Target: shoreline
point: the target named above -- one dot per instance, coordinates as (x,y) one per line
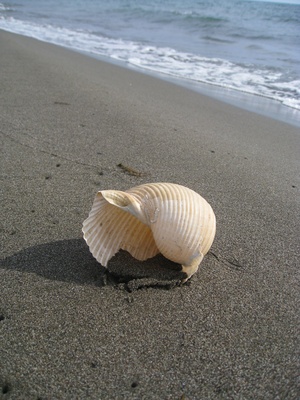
(246,101)
(71,329)
(250,102)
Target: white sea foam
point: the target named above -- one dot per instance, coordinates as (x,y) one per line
(164,60)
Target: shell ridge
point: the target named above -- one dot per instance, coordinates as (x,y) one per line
(110,240)
(132,234)
(105,245)
(141,244)
(189,238)
(211,223)
(171,246)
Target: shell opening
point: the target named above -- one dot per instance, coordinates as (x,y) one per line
(116,198)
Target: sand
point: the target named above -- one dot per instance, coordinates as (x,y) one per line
(68,329)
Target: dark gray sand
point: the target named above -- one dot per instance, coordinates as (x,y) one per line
(68,329)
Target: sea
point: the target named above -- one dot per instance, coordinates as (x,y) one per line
(242,51)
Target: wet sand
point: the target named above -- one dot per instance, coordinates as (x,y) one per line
(68,329)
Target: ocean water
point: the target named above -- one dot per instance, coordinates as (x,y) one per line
(244,46)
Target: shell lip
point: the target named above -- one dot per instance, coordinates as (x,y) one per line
(116,198)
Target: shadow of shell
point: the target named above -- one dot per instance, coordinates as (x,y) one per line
(123,265)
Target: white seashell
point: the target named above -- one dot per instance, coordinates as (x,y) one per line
(149,219)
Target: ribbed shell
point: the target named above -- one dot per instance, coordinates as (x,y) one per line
(168,219)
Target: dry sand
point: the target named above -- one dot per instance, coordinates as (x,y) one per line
(70,331)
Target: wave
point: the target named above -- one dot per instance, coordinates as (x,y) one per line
(4,7)
(217,40)
(169,15)
(203,18)
(268,82)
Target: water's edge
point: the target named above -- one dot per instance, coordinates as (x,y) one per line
(250,102)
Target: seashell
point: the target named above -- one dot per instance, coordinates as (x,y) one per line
(149,219)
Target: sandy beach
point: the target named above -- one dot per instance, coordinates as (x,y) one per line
(70,330)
